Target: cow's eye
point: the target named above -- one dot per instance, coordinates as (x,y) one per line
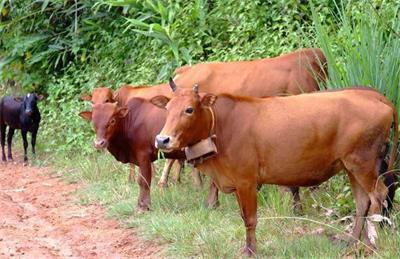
(189,110)
(112,122)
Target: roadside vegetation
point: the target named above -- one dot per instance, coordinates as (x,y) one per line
(64,48)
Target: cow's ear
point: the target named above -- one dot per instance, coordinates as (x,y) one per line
(40,97)
(160,101)
(87,115)
(208,100)
(122,112)
(85,97)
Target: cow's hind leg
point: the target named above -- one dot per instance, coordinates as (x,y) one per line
(9,142)
(3,140)
(212,198)
(297,207)
(362,205)
(178,169)
(365,174)
(24,139)
(163,182)
(131,177)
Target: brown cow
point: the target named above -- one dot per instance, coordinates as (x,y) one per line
(105,95)
(299,140)
(128,134)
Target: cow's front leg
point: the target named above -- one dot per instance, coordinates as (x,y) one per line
(247,198)
(33,142)
(3,140)
(24,139)
(9,142)
(144,181)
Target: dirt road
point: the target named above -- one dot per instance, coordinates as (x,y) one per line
(40,218)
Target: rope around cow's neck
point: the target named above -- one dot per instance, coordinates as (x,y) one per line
(213,121)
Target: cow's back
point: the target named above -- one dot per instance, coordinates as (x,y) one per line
(124,94)
(312,132)
(286,74)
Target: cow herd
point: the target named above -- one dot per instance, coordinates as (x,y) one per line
(244,124)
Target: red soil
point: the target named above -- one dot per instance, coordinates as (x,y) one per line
(40,218)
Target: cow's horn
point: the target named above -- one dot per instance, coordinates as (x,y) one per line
(196,88)
(172,84)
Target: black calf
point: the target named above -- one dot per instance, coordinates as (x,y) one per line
(17,113)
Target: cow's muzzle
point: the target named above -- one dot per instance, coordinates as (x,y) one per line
(28,112)
(162,142)
(100,143)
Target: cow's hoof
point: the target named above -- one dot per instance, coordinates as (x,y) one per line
(212,205)
(248,252)
(142,209)
(298,210)
(344,239)
(162,185)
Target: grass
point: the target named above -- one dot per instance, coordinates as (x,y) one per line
(180,221)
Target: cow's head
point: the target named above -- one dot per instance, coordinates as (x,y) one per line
(99,95)
(105,118)
(29,103)
(189,118)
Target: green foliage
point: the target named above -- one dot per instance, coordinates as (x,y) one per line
(64,48)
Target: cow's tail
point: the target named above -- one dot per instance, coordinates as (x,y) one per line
(386,168)
(393,152)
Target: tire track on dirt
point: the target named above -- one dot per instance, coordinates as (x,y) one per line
(40,218)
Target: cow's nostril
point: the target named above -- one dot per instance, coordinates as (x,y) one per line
(100,143)
(166,140)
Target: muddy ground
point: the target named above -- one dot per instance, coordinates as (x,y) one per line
(40,217)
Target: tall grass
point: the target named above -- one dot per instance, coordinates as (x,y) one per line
(365,49)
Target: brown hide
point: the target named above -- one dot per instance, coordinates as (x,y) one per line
(99,95)
(299,140)
(293,73)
